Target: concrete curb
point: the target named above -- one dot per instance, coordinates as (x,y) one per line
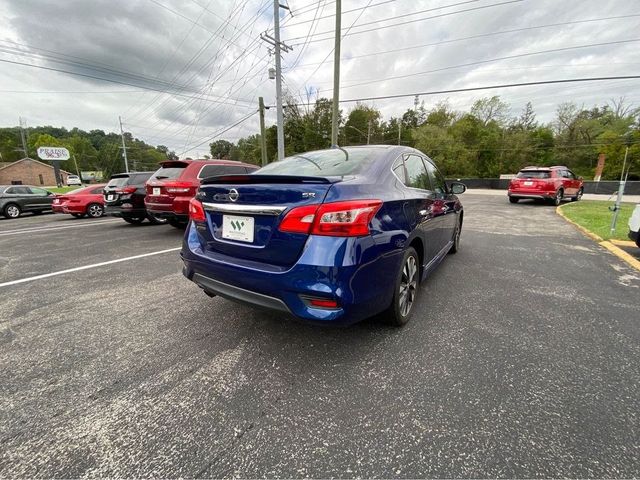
(586,232)
(618,252)
(624,243)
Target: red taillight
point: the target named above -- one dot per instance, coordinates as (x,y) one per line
(196,211)
(126,190)
(323,303)
(340,219)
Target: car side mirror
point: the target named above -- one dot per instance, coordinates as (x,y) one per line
(458,188)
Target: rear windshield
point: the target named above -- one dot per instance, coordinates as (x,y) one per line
(534,174)
(322,163)
(118,182)
(77,190)
(213,170)
(170,173)
(139,178)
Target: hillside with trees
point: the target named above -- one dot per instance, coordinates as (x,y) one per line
(485,141)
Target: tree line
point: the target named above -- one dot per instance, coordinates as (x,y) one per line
(92,151)
(485,141)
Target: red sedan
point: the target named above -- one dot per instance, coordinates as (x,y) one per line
(83,201)
(552,184)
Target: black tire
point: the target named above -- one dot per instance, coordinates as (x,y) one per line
(638,241)
(134,220)
(456,237)
(406,282)
(77,215)
(156,220)
(557,199)
(513,199)
(95,210)
(11,210)
(578,195)
(179,224)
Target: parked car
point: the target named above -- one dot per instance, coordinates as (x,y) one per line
(73,180)
(330,236)
(634,225)
(171,188)
(552,184)
(16,199)
(83,201)
(124,198)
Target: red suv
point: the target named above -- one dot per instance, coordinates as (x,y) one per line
(552,184)
(171,188)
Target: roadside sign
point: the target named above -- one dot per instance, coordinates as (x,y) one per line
(53,153)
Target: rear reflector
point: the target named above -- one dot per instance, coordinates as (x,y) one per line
(319,302)
(339,219)
(196,211)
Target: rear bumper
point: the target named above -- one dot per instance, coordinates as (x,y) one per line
(124,211)
(57,208)
(538,194)
(73,209)
(352,274)
(177,207)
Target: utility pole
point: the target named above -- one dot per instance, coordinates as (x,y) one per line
(124,147)
(77,169)
(263,140)
(368,131)
(336,77)
(278,46)
(399,129)
(623,180)
(24,141)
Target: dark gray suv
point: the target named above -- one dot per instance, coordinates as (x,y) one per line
(15,199)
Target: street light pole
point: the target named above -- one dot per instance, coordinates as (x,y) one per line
(336,76)
(124,147)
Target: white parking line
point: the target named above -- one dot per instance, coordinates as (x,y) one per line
(48,229)
(86,267)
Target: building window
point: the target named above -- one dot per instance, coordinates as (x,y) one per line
(41,179)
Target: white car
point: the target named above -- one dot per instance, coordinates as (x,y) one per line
(73,180)
(634,225)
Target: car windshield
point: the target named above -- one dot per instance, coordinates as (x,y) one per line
(534,174)
(334,162)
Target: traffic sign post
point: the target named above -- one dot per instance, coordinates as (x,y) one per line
(55,155)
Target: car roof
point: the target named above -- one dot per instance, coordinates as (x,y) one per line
(545,169)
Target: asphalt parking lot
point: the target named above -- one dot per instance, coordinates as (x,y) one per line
(523,360)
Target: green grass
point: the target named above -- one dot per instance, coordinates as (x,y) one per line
(62,189)
(596,217)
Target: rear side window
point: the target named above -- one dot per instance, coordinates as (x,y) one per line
(398,169)
(169,173)
(534,174)
(335,162)
(416,172)
(214,170)
(19,190)
(39,191)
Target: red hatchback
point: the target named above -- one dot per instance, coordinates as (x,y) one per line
(80,202)
(171,188)
(552,184)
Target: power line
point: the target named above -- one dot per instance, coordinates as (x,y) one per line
(466,10)
(508,57)
(343,13)
(244,119)
(482,35)
(487,87)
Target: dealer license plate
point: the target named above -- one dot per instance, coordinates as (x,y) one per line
(237,228)
(528,184)
(156,190)
(110,197)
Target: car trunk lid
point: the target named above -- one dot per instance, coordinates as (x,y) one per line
(244,212)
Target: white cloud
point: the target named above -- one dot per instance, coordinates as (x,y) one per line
(141,43)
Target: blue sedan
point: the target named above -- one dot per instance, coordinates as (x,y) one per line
(331,236)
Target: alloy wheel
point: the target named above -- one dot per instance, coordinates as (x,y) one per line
(408,285)
(13,211)
(95,211)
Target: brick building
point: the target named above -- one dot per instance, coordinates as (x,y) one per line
(29,172)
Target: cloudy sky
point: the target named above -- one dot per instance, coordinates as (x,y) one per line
(181,71)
